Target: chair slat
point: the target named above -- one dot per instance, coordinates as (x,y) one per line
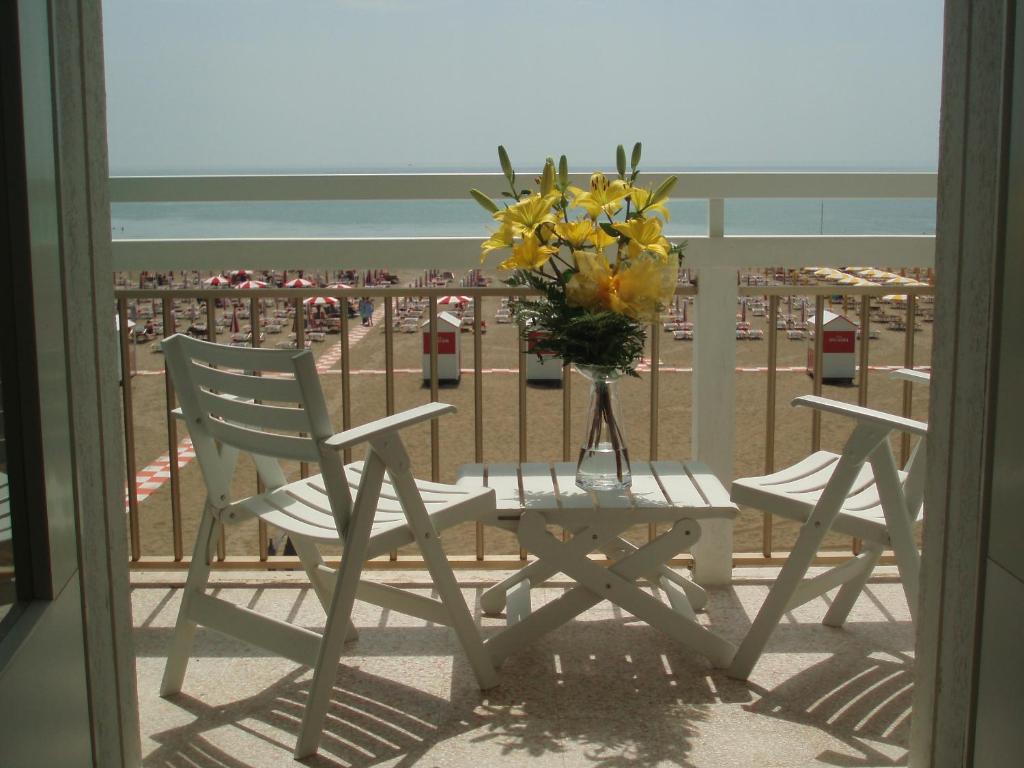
(242,358)
(255,414)
(251,387)
(264,443)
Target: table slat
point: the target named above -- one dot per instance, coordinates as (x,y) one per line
(538,487)
(569,495)
(710,487)
(646,491)
(504,479)
(678,485)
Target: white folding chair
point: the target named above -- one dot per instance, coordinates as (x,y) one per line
(859,493)
(371,507)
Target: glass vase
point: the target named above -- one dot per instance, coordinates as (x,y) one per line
(604,458)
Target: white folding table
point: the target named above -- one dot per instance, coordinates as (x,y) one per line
(531,497)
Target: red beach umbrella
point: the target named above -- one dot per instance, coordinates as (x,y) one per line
(298,282)
(246,285)
(321,301)
(454,300)
(216,281)
(340,286)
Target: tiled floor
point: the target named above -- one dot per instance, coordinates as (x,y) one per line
(605,690)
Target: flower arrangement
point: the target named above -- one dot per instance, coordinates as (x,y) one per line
(596,300)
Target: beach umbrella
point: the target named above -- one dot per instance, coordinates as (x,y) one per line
(248,284)
(893,298)
(216,281)
(340,286)
(298,282)
(321,301)
(454,300)
(240,272)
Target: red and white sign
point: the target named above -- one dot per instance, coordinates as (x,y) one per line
(838,346)
(445,343)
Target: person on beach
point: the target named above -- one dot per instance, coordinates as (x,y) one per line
(365,310)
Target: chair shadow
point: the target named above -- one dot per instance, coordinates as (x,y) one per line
(569,691)
(858,700)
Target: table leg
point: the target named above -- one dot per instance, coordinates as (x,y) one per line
(695,593)
(615,584)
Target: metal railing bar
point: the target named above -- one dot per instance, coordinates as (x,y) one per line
(389,366)
(769,437)
(478,408)
(652,529)
(819,324)
(129,431)
(167,307)
(346,375)
(211,336)
(254,341)
(435,434)
(908,362)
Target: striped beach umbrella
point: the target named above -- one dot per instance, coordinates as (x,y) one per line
(216,281)
(298,282)
(321,301)
(249,284)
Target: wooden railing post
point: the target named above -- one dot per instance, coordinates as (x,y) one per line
(714,385)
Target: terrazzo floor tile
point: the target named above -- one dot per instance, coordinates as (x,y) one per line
(604,690)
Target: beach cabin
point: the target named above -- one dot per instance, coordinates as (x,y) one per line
(541,366)
(838,343)
(449,348)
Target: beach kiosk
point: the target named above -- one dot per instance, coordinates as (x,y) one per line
(449,348)
(838,360)
(547,367)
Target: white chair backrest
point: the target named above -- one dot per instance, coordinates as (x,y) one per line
(230,406)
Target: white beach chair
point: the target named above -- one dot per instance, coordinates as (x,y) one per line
(859,493)
(371,507)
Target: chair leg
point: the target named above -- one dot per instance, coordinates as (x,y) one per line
(318,574)
(195,584)
(340,612)
(850,591)
(462,622)
(774,607)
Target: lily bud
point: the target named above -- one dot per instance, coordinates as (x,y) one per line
(506,164)
(485,202)
(635,160)
(620,161)
(547,178)
(662,192)
(563,171)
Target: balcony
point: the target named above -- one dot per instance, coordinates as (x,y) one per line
(836,697)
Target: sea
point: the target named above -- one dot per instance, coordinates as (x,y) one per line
(464,218)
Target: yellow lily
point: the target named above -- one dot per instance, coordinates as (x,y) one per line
(529,254)
(644,235)
(526,215)
(502,238)
(601,239)
(575,233)
(591,286)
(638,290)
(603,196)
(641,198)
(644,287)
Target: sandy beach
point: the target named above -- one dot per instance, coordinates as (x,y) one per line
(544,418)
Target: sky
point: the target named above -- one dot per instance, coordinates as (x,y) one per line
(276,86)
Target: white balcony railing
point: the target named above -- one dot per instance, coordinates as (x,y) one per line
(714,256)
